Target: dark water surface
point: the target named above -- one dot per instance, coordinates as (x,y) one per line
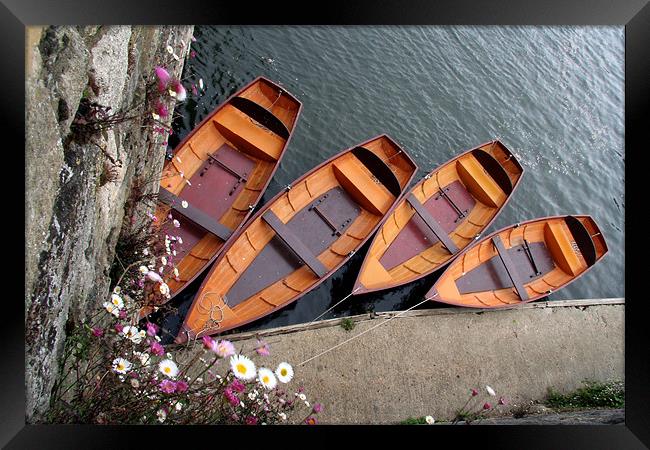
(553,95)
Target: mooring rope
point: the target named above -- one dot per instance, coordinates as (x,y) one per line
(342,300)
(364,332)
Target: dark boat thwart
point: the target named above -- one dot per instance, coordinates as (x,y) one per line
(300,237)
(219,172)
(521,263)
(439,217)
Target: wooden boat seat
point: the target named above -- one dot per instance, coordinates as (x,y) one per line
(242,131)
(510,268)
(480,184)
(559,242)
(433,225)
(195,215)
(358,181)
(294,243)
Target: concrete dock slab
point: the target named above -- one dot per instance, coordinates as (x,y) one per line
(425,362)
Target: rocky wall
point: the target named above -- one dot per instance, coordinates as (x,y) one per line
(76,189)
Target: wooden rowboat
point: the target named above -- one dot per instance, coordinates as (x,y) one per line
(300,237)
(439,217)
(229,159)
(521,263)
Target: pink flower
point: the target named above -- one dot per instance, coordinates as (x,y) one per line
(181,386)
(178,87)
(163,78)
(231,397)
(193,38)
(262,348)
(317,408)
(487,405)
(194,90)
(238,385)
(152,329)
(250,420)
(311,420)
(224,348)
(161,109)
(119,327)
(502,401)
(157,349)
(122,314)
(98,332)
(167,386)
(192,54)
(153,276)
(474,392)
(208,342)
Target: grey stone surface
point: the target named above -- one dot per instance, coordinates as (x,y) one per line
(73,218)
(584,417)
(426,364)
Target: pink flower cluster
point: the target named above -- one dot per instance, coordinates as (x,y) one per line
(169,386)
(223,348)
(166,82)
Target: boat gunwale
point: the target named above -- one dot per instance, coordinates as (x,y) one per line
(517,225)
(182,333)
(365,290)
(203,122)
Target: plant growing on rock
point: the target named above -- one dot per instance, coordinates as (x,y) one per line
(121,373)
(476,408)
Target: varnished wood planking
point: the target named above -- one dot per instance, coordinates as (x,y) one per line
(251,241)
(202,142)
(436,256)
(532,231)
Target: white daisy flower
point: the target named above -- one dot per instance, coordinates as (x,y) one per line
(145,252)
(155,116)
(121,365)
(490,391)
(251,396)
(284,372)
(163,260)
(162,415)
(430,420)
(201,83)
(170,49)
(242,367)
(144,358)
(178,406)
(117,289)
(132,333)
(111,308)
(117,301)
(143,269)
(266,378)
(180,239)
(283,416)
(302,397)
(163,288)
(168,367)
(184,204)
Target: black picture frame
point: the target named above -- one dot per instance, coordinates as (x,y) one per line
(15,15)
